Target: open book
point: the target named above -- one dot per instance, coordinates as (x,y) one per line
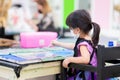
(36,56)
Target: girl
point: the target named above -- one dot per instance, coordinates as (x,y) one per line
(80,25)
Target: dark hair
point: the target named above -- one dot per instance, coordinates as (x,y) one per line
(82,20)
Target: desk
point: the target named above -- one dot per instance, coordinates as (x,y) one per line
(43,68)
(31,71)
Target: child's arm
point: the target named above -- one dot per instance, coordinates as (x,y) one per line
(84,58)
(7,42)
(62,44)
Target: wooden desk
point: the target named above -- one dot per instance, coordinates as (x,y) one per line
(49,66)
(31,71)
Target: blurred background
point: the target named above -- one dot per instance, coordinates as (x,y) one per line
(104,12)
(13,15)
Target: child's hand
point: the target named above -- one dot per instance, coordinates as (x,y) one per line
(14,43)
(54,42)
(66,62)
(7,42)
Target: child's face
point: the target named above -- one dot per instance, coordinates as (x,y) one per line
(75,32)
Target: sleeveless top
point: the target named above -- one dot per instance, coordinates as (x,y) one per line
(72,73)
(90,47)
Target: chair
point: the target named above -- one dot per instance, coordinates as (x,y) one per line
(105,55)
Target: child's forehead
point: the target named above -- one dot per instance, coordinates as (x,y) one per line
(72,27)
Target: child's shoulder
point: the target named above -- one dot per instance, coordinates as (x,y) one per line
(86,43)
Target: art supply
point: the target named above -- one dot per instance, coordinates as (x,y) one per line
(55,39)
(112,43)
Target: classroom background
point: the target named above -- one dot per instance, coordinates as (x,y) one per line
(104,12)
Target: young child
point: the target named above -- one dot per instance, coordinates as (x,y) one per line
(80,24)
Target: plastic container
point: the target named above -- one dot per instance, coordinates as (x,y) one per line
(37,39)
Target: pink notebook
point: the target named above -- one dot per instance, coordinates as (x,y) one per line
(37,39)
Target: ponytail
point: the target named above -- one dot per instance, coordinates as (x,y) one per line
(96,32)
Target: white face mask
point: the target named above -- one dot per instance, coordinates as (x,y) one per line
(73,34)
